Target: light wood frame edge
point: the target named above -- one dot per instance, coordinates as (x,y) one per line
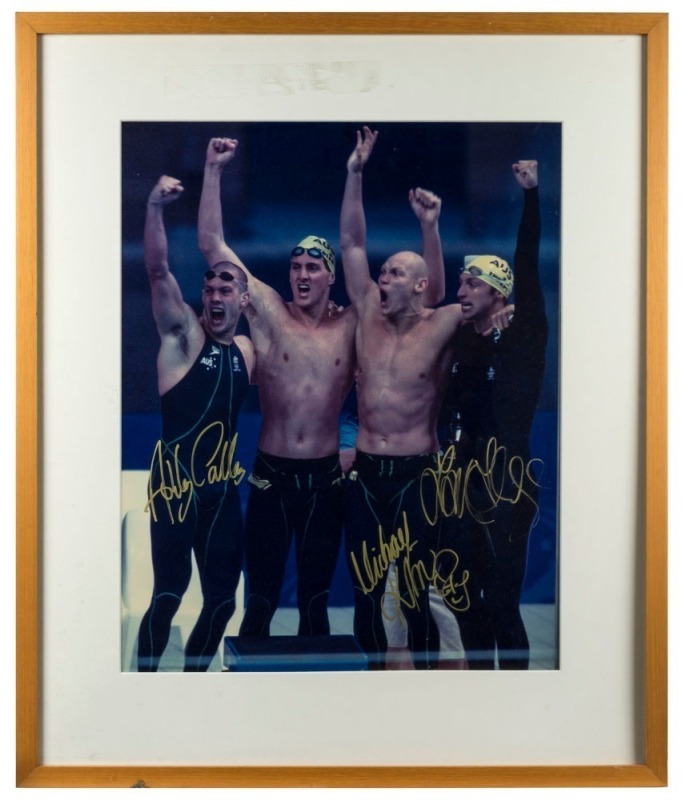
(29,27)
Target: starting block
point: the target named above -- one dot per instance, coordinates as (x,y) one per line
(336,653)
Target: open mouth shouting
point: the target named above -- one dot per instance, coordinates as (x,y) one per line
(216,314)
(303,289)
(382,297)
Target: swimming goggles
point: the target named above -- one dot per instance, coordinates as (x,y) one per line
(315,252)
(224,276)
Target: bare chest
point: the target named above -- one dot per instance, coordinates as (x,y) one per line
(413,355)
(314,354)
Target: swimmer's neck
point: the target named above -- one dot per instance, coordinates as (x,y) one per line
(311,316)
(405,320)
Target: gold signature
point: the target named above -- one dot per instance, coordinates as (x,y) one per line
(416,576)
(175,484)
(504,480)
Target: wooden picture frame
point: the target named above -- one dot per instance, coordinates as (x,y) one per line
(30,27)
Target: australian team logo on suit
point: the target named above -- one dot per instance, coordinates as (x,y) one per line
(211,360)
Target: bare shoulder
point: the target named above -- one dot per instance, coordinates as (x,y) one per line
(337,317)
(370,316)
(449,316)
(371,302)
(348,316)
(179,350)
(247,350)
(341,324)
(187,335)
(244,344)
(266,306)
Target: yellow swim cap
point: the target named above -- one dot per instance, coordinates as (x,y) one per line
(317,247)
(492,270)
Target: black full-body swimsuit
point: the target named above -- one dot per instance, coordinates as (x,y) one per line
(493,397)
(194,505)
(386,522)
(300,499)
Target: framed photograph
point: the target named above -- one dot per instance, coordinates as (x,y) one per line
(284,109)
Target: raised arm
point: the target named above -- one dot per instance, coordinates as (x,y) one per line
(211,237)
(426,206)
(170,311)
(353,225)
(529,301)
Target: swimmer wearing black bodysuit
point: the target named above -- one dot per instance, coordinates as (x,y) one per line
(492,400)
(198,425)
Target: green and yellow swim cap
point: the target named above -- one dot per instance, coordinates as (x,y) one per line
(317,247)
(492,270)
